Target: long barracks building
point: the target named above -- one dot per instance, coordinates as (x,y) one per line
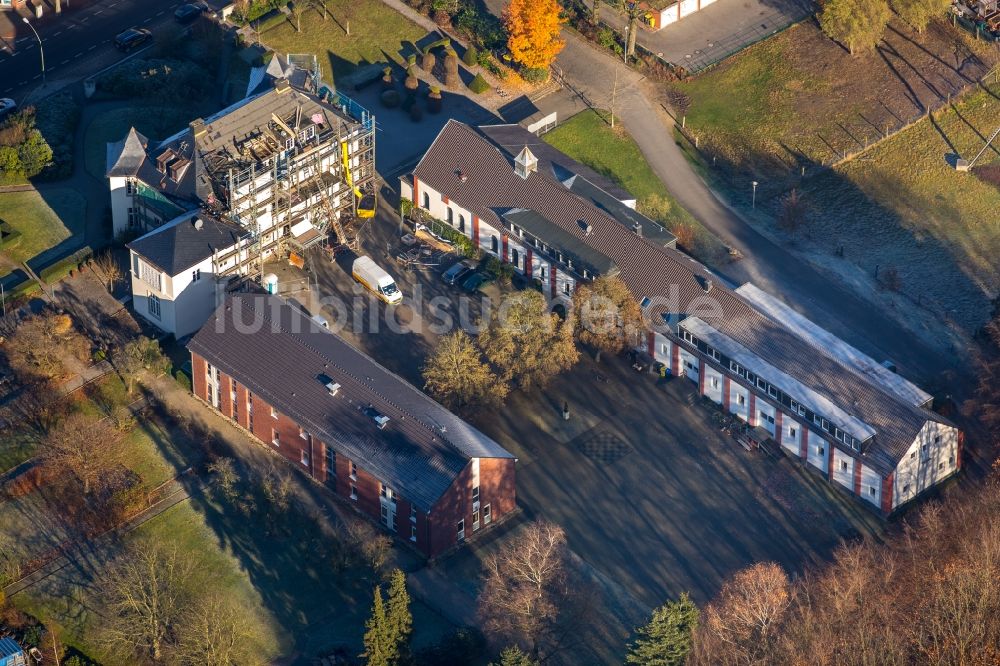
(860,425)
(364,432)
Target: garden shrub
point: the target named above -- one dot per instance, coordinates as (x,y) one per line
(416,113)
(535,74)
(479,85)
(61,268)
(471,56)
(183,379)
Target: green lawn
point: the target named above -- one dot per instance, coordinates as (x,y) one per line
(589,138)
(153,122)
(904,205)
(71,597)
(43,220)
(377,32)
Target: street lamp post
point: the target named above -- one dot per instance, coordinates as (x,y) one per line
(624,54)
(753,203)
(40,48)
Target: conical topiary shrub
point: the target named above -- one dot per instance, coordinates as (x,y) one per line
(451,77)
(434,100)
(471,56)
(427,61)
(411,81)
(387,77)
(479,85)
(390,99)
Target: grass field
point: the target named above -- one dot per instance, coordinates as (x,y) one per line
(377,31)
(71,598)
(589,138)
(798,99)
(43,220)
(904,206)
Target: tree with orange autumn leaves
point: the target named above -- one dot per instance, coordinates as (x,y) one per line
(533,32)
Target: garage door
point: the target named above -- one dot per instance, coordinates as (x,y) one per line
(688,7)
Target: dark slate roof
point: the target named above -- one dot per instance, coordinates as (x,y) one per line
(126,157)
(513,138)
(553,235)
(288,359)
(675,282)
(179,245)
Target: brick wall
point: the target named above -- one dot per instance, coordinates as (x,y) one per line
(433,535)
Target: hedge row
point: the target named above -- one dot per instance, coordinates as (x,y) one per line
(8,235)
(26,288)
(61,268)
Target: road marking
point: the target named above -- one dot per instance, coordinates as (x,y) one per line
(64,61)
(147,20)
(56,34)
(99,11)
(162,13)
(92,47)
(78,55)
(8,90)
(36,76)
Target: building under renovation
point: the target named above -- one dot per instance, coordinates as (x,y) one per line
(289,167)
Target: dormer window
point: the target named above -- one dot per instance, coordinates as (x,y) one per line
(525,163)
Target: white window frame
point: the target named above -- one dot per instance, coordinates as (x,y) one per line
(153,304)
(275,437)
(487,514)
(460,531)
(304,458)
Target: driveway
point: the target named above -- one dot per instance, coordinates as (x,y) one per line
(716,32)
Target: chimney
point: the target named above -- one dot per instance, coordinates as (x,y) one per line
(637,228)
(707,285)
(282,86)
(198,127)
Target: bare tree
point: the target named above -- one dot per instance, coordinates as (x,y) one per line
(794,212)
(298,9)
(85,446)
(40,344)
(215,631)
(146,591)
(740,625)
(137,356)
(106,264)
(525,586)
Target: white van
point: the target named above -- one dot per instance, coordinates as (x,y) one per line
(372,276)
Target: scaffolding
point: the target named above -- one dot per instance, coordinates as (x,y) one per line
(293,169)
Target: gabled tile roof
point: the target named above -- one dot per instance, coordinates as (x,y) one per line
(288,359)
(675,282)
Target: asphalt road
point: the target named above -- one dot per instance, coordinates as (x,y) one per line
(77,42)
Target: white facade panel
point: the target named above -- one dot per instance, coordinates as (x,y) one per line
(739,401)
(713,384)
(765,415)
(818,453)
(688,7)
(662,349)
(932,457)
(843,469)
(791,435)
(871,485)
(689,365)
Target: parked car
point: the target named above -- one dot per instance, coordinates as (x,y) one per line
(132,38)
(190,11)
(7,105)
(475,282)
(457,272)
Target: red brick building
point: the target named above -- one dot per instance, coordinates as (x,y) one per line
(367,434)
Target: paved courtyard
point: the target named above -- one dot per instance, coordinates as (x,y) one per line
(718,31)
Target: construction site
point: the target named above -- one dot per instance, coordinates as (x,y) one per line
(291,167)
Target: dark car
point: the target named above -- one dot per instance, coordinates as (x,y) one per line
(474,282)
(132,38)
(7,106)
(457,273)
(190,11)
